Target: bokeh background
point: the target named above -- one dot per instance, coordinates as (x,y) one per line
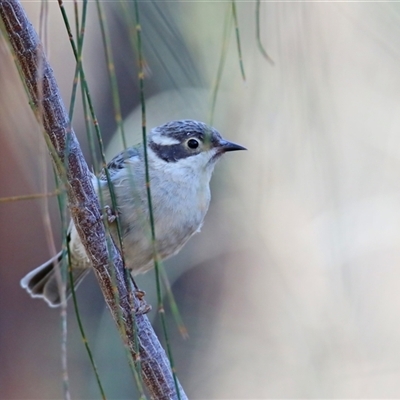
(292,289)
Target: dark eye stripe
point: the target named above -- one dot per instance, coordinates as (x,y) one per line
(171,153)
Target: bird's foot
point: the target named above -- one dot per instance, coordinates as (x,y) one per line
(143,307)
(111,214)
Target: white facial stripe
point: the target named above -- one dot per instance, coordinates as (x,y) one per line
(164,140)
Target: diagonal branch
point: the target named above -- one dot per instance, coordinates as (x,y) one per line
(85,211)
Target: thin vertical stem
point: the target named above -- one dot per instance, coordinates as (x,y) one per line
(149,199)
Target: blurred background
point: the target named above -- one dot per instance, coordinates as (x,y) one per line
(292,289)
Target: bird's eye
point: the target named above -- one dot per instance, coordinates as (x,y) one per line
(193,144)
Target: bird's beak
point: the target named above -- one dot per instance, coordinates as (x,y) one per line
(225,146)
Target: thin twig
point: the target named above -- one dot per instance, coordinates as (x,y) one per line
(239,47)
(29,196)
(83,202)
(258,35)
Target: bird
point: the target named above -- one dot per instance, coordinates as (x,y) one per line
(181,159)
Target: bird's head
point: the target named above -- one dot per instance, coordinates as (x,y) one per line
(189,143)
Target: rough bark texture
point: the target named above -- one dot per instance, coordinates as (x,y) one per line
(85,211)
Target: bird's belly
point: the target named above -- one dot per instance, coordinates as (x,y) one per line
(178,210)
(171,232)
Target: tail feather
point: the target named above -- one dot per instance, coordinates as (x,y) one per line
(43,281)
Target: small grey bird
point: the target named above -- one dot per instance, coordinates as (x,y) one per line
(181,159)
